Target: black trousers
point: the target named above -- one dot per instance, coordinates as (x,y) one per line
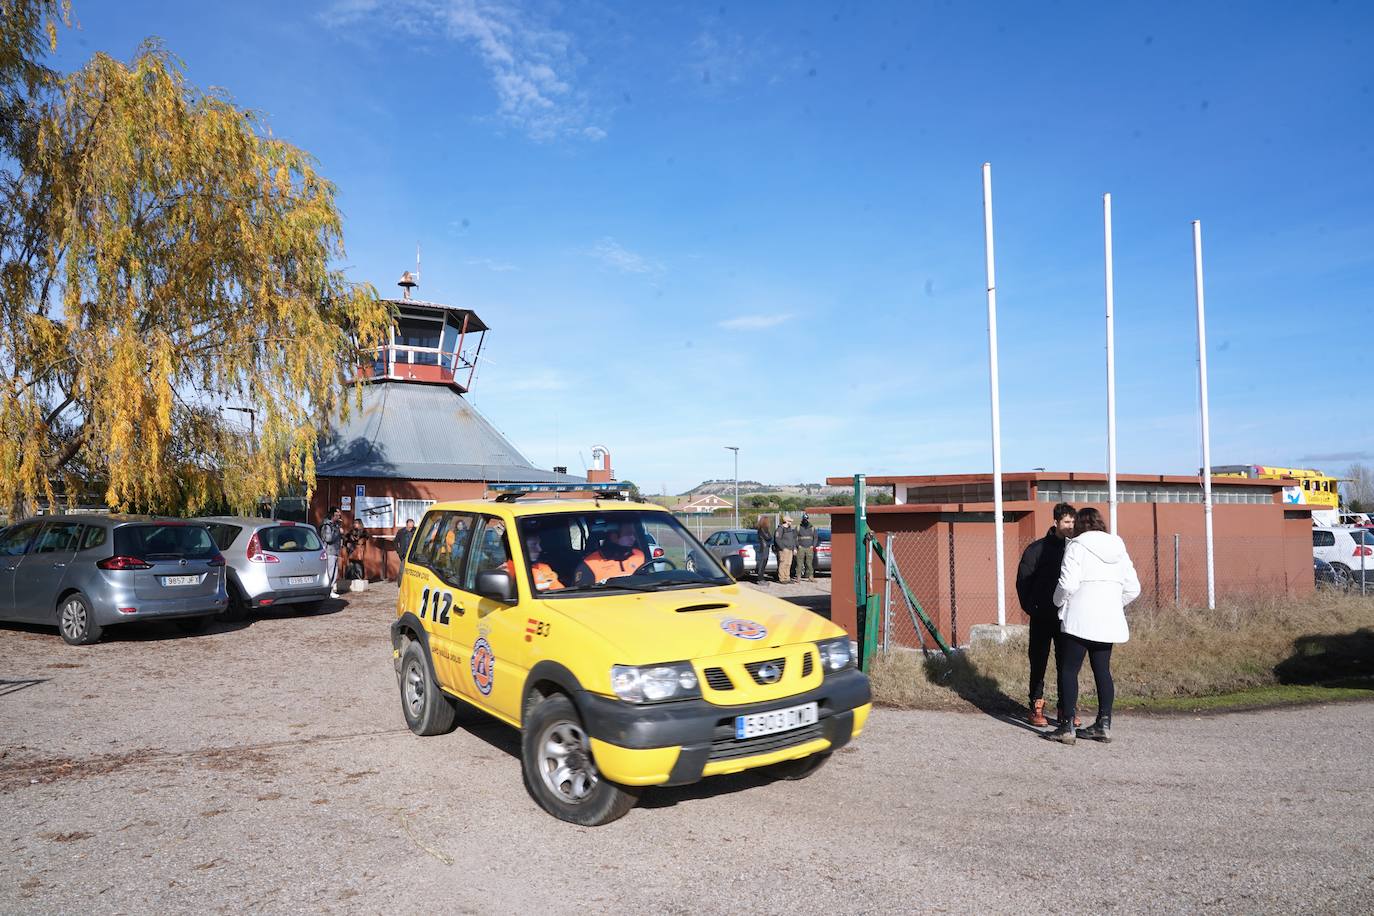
(1071,652)
(1043,629)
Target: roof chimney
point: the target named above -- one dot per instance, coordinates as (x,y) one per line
(407,283)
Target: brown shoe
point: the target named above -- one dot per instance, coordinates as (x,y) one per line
(1037,715)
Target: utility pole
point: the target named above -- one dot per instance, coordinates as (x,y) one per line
(252,422)
(735,449)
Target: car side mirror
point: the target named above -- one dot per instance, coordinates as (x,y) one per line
(734,565)
(496,584)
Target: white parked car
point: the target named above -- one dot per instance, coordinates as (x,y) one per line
(271,563)
(1348,548)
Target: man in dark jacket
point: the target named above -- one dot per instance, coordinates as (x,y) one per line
(807,539)
(787,546)
(1036,579)
(403,539)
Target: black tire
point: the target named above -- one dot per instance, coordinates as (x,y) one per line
(585,797)
(238,605)
(76,621)
(797,769)
(192,624)
(428,711)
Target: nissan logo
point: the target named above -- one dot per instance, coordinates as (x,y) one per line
(770,673)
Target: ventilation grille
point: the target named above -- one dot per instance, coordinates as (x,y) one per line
(718,679)
(806,665)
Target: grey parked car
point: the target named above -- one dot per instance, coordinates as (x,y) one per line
(271,562)
(82,573)
(743,543)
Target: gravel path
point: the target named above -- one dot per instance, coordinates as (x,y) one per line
(266,768)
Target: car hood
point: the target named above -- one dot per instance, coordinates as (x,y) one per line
(693,623)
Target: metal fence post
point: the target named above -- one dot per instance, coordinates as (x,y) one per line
(887,594)
(1363,550)
(1177,586)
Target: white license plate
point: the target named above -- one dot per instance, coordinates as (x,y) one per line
(778,720)
(180,580)
(300,580)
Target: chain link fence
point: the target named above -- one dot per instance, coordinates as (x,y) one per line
(949,571)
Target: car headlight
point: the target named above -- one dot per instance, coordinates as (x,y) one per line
(835,653)
(654,683)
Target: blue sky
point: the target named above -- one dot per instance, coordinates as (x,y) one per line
(699,225)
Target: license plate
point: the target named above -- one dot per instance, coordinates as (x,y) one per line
(778,720)
(180,580)
(300,580)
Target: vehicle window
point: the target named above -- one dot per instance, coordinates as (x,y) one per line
(442,544)
(290,539)
(491,553)
(1363,536)
(823,534)
(16,540)
(92,537)
(747,537)
(171,540)
(223,535)
(1323,539)
(58,537)
(713,540)
(626,549)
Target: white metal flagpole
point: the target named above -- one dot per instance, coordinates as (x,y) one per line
(1111,368)
(1206,422)
(999,548)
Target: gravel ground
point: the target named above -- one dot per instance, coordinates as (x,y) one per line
(266,768)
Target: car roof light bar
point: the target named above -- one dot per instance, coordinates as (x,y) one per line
(510,492)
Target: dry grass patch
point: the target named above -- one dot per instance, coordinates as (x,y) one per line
(1173,653)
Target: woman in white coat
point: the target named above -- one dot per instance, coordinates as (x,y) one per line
(1096,582)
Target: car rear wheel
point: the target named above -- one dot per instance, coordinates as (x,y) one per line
(560,772)
(238,604)
(797,769)
(76,621)
(427,710)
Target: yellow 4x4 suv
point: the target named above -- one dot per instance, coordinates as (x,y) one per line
(620,647)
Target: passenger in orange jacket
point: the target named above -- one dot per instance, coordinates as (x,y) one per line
(545,579)
(618,556)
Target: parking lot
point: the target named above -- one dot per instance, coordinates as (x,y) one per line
(265,767)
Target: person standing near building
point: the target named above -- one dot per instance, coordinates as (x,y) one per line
(403,539)
(331,533)
(355,545)
(787,547)
(807,539)
(1096,583)
(764,550)
(1036,579)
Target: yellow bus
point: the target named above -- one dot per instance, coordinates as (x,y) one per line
(1314,488)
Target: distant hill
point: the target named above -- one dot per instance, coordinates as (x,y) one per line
(752,487)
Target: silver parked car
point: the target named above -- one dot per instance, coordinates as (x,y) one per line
(271,562)
(743,543)
(82,573)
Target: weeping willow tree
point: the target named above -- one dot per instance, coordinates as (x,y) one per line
(162,255)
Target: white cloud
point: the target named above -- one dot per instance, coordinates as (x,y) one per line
(755,322)
(530,63)
(611,253)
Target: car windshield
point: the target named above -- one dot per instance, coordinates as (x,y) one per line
(290,539)
(1363,536)
(171,540)
(572,554)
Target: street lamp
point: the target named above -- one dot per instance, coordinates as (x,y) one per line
(735,449)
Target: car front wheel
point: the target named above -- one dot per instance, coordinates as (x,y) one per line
(427,710)
(560,772)
(76,621)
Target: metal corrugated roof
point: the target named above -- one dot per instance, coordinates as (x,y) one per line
(422,432)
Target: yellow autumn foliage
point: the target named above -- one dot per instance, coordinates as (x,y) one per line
(163,256)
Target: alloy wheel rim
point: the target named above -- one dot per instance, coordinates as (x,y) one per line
(414,689)
(565,761)
(73,619)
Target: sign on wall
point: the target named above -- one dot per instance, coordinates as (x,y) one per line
(346,504)
(375,511)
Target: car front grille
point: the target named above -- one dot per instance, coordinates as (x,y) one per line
(727,747)
(753,669)
(718,679)
(806,665)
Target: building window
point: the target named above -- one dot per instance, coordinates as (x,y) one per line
(1054,491)
(411,508)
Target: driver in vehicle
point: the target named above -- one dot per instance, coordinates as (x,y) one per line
(617,556)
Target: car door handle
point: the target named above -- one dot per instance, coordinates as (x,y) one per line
(58,565)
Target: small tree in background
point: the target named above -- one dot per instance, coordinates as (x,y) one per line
(1358,487)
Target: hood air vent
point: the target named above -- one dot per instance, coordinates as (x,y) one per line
(702,607)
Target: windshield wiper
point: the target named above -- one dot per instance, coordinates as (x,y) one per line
(583,589)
